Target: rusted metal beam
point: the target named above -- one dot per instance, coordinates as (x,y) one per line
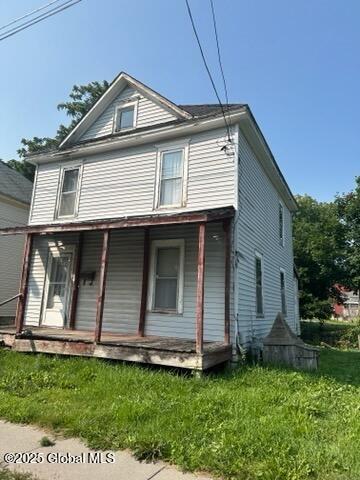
(102,285)
(76,284)
(145,280)
(227,243)
(213,215)
(200,289)
(21,304)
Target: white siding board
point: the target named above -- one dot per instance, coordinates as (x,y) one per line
(258,231)
(124,280)
(11,249)
(149,113)
(123,182)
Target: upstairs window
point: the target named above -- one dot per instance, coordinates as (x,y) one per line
(171,180)
(283,292)
(125,117)
(259,285)
(167,267)
(68,192)
(281,224)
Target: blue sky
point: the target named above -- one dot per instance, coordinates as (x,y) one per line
(296,63)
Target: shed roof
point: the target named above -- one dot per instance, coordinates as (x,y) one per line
(14,185)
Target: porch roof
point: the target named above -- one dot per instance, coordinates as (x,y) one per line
(198,216)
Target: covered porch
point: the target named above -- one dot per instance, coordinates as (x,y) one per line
(96,323)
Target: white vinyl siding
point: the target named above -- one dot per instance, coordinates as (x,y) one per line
(148,113)
(123,182)
(11,250)
(257,227)
(124,280)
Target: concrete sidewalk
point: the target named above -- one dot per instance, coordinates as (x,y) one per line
(25,439)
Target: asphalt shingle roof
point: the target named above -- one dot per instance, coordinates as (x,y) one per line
(210,108)
(14,185)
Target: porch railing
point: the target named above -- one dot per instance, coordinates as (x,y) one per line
(8,300)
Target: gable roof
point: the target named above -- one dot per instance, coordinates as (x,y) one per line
(14,185)
(116,86)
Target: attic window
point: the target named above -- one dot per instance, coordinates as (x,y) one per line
(125,117)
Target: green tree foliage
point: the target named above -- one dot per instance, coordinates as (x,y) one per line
(349,213)
(82,98)
(319,250)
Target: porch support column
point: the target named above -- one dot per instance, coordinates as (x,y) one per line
(200,289)
(227,242)
(145,279)
(76,284)
(21,303)
(102,285)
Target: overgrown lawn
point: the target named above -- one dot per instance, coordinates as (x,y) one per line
(250,423)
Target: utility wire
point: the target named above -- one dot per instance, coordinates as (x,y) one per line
(207,69)
(218,51)
(28,14)
(40,18)
(28,22)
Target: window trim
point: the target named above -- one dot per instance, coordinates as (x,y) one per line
(77,166)
(155,245)
(282,238)
(259,256)
(283,271)
(168,148)
(122,106)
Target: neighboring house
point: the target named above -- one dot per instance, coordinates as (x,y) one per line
(153,237)
(15,197)
(350,308)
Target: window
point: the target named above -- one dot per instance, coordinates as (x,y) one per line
(281,224)
(167,259)
(259,285)
(283,292)
(125,116)
(171,178)
(68,192)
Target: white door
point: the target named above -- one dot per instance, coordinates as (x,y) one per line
(57,288)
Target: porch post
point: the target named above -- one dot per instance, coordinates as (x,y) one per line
(145,279)
(200,289)
(227,242)
(75,288)
(102,285)
(21,303)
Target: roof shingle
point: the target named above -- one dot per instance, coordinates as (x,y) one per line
(14,185)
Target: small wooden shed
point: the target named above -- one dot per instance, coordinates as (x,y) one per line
(282,346)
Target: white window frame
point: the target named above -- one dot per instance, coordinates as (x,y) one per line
(122,106)
(168,148)
(259,256)
(282,238)
(282,271)
(155,245)
(77,166)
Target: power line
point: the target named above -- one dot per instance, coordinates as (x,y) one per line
(207,68)
(218,50)
(28,14)
(32,20)
(40,18)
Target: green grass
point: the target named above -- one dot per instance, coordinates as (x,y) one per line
(332,332)
(250,423)
(6,474)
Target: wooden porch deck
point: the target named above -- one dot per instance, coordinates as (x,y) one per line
(167,351)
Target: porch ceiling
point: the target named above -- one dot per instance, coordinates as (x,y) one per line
(198,216)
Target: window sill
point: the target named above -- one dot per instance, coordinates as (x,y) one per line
(166,312)
(260,316)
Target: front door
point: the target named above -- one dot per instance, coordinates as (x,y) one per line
(57,288)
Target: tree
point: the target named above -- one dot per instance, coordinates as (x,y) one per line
(348,206)
(319,250)
(82,98)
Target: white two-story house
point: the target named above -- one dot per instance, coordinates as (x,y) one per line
(158,233)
